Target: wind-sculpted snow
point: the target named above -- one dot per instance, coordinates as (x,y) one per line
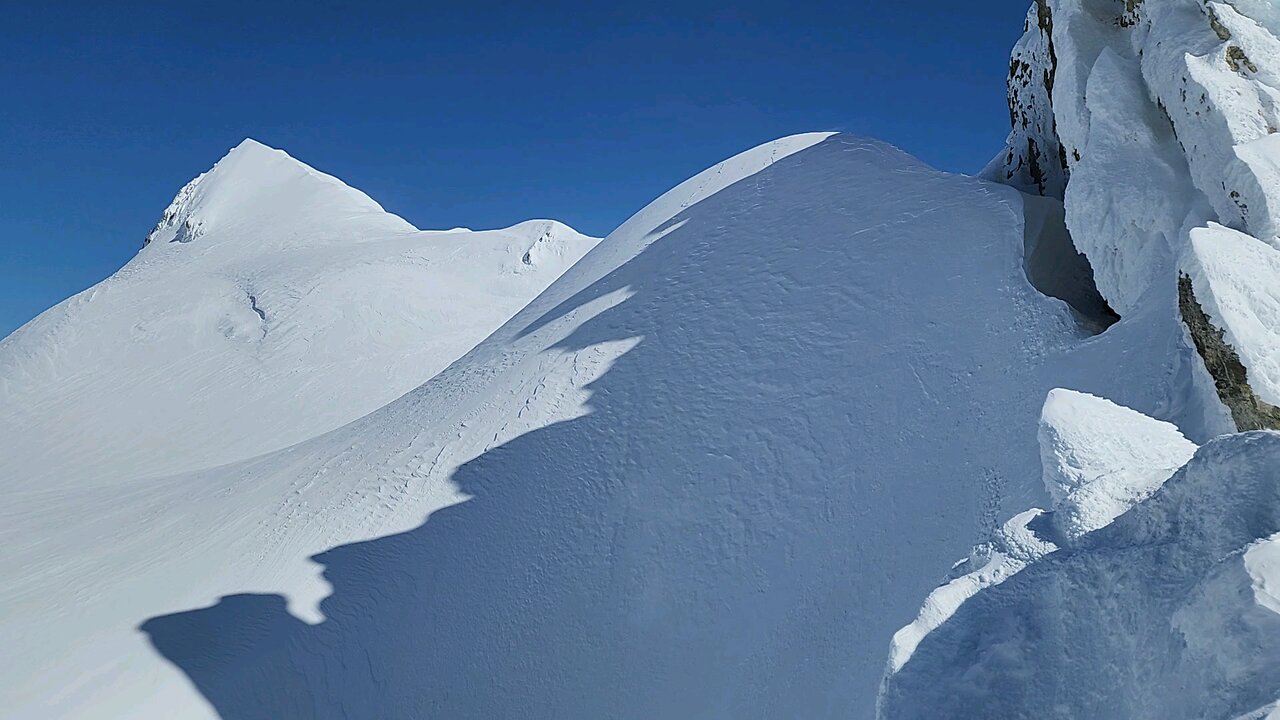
(707,473)
(1099,460)
(272,303)
(1168,612)
(1239,278)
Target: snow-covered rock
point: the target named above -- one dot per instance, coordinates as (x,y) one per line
(1033,160)
(1237,278)
(1101,459)
(1169,611)
(1167,113)
(271,303)
(1160,601)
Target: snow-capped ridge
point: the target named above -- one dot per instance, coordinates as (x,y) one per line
(263,194)
(267,284)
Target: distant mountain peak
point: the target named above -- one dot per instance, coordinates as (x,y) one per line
(265,190)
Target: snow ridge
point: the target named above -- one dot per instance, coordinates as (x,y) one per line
(271,303)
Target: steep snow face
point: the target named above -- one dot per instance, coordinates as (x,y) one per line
(1168,612)
(272,303)
(707,473)
(1167,114)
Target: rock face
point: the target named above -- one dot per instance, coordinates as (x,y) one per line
(1166,116)
(1034,160)
(1230,377)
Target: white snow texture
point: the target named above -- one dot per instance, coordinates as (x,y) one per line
(301,459)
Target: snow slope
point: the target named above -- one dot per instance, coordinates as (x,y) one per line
(707,473)
(272,303)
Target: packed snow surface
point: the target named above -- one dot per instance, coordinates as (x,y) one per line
(707,473)
(272,303)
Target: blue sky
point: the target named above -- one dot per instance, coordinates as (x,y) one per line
(476,114)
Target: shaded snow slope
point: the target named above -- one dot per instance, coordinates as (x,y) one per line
(272,303)
(1171,611)
(706,474)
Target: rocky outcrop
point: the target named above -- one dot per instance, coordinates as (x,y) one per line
(1164,119)
(1230,377)
(1034,161)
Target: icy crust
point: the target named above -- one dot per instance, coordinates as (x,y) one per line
(1169,611)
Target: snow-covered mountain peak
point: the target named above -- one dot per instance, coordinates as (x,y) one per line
(272,302)
(276,196)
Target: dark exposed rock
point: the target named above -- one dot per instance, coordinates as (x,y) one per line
(1230,377)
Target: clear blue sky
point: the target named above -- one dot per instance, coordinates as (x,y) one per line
(478,114)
